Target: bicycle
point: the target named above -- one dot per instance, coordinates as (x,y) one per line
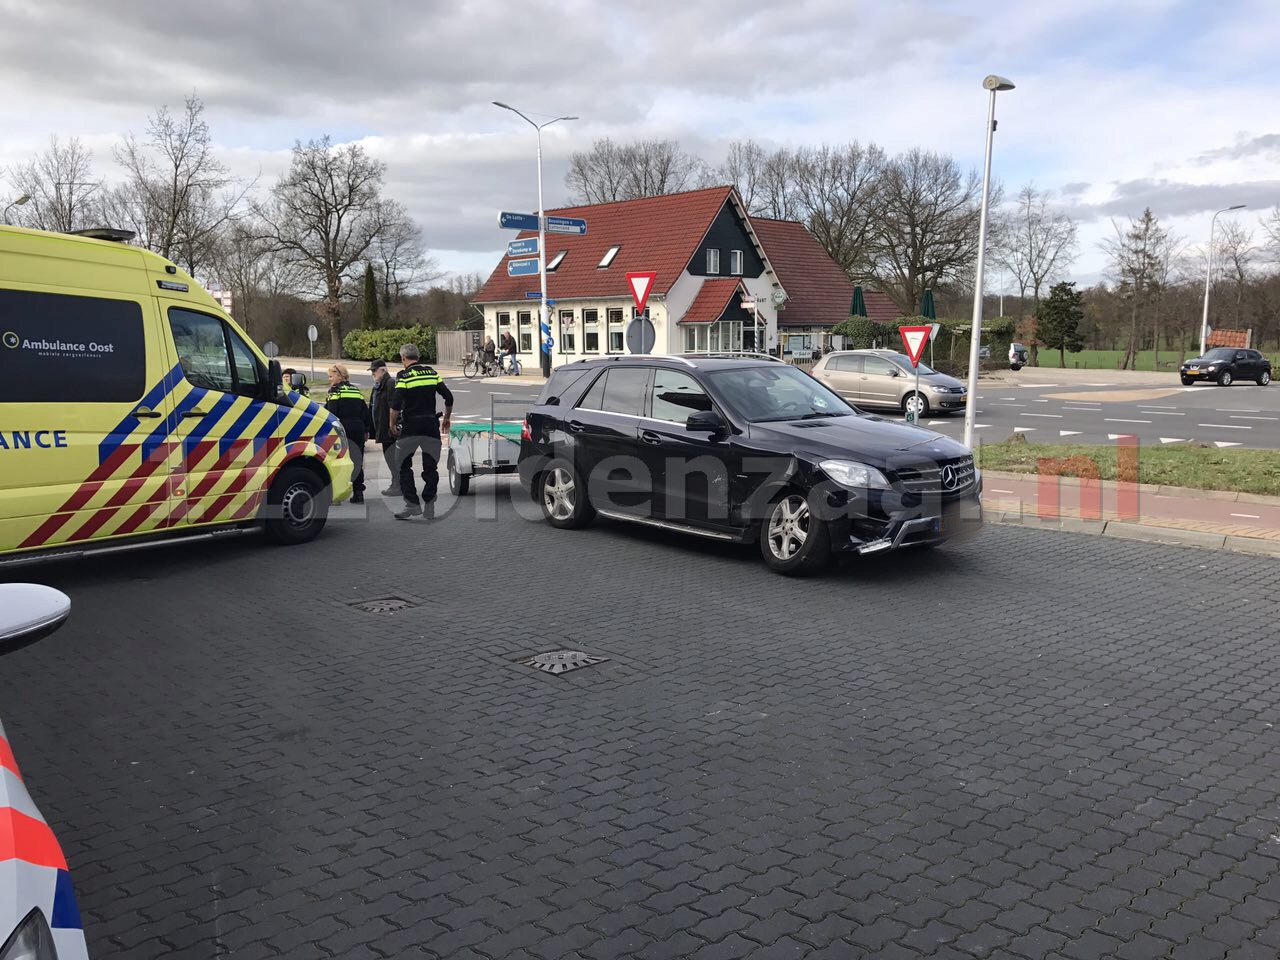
(479,366)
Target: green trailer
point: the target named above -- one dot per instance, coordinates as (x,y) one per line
(481,448)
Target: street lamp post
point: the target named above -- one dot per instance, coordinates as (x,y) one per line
(1208,277)
(543,314)
(16,203)
(995,85)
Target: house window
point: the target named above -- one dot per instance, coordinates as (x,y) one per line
(735,262)
(555,261)
(713,261)
(609,255)
(726,336)
(504,320)
(568,332)
(526,331)
(695,338)
(616,342)
(590,331)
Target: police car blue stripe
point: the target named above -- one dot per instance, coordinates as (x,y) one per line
(66,912)
(130,423)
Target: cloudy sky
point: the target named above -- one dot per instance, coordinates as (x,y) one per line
(1120,104)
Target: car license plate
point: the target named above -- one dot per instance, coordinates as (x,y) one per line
(1193,371)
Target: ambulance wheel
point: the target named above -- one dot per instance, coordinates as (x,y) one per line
(297,506)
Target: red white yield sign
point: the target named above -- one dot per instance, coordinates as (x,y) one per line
(914,339)
(641,284)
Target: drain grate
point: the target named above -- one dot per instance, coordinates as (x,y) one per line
(384,605)
(562,661)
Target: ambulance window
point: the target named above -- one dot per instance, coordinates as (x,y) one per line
(248,370)
(70,349)
(202,350)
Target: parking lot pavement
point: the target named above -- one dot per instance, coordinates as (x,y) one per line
(1035,745)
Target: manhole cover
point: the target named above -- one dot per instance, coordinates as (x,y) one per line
(384,605)
(562,661)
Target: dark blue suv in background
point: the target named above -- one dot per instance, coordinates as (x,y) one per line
(741,449)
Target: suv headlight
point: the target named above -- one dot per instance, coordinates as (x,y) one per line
(339,450)
(859,476)
(31,941)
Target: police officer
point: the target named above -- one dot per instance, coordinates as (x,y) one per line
(347,404)
(380,403)
(417,427)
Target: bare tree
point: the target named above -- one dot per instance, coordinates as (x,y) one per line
(1138,260)
(64,193)
(1035,244)
(400,262)
(1271,224)
(1235,258)
(927,229)
(646,168)
(176,195)
(245,263)
(325,214)
(744,167)
(838,188)
(778,197)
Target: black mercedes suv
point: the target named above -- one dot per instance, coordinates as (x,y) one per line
(740,448)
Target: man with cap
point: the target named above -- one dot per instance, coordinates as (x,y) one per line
(380,403)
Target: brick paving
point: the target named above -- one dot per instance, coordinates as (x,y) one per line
(1035,745)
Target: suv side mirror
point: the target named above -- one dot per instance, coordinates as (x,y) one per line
(706,421)
(29,611)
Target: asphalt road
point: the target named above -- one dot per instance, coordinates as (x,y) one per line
(1037,745)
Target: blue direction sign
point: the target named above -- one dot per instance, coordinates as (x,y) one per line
(565,225)
(522,268)
(533,294)
(547,344)
(523,248)
(518,221)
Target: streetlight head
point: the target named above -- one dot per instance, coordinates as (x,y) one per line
(499,103)
(1238,206)
(997,83)
(22,199)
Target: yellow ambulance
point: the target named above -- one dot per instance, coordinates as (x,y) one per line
(132,408)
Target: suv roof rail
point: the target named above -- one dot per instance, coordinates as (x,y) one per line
(735,355)
(637,356)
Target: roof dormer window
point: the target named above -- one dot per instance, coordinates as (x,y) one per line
(555,261)
(609,255)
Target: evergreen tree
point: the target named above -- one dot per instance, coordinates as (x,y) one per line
(1058,320)
(370,305)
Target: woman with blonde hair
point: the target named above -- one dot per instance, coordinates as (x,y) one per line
(347,403)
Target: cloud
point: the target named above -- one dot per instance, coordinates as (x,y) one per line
(1266,145)
(1174,199)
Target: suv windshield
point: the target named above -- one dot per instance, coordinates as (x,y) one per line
(776,392)
(1220,353)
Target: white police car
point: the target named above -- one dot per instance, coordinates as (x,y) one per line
(39,918)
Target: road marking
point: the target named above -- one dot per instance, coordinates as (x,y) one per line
(1242,516)
(1121,436)
(1159,406)
(1111,420)
(1162,413)
(1068,433)
(1097,384)
(1234,410)
(1226,426)
(1055,416)
(1024,429)
(934,423)
(980,426)
(1039,401)
(1007,398)
(1241,417)
(1172,440)
(1096,408)
(993,490)
(1008,404)
(1224,443)
(1036,386)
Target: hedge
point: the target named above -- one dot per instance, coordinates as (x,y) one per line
(385,344)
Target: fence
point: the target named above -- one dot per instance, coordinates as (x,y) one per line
(455,346)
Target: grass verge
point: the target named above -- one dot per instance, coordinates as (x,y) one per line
(1180,465)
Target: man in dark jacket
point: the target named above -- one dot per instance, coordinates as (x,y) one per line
(347,404)
(380,402)
(418,426)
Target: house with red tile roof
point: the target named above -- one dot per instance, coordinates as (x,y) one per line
(724,281)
